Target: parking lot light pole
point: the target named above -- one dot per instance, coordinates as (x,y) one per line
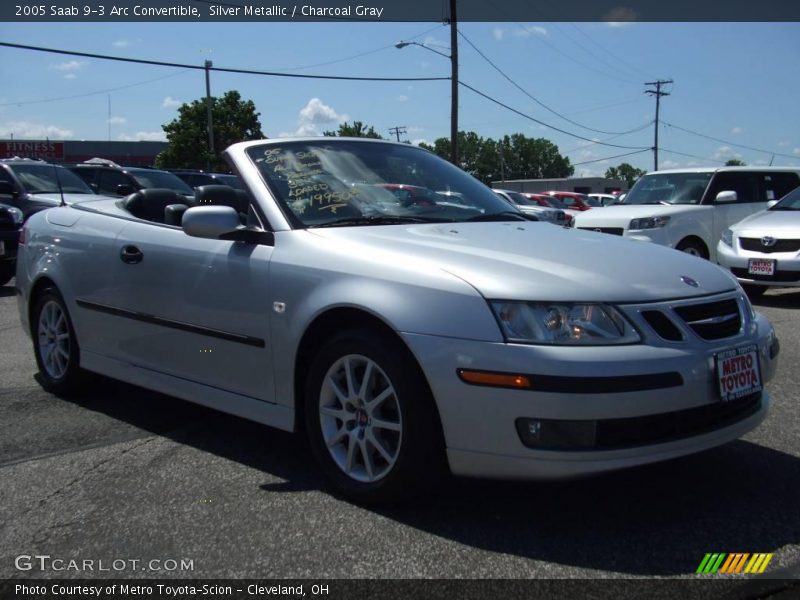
(453,57)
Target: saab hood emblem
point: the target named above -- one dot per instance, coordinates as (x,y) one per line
(768,242)
(689,281)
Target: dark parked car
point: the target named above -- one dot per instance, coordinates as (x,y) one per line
(197,178)
(110,179)
(33,185)
(10,223)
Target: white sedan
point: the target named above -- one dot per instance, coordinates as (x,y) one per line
(763,250)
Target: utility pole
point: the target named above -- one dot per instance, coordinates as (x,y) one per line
(208,65)
(657,93)
(397,130)
(453,84)
(502,163)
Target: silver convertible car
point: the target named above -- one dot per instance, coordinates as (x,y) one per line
(403,339)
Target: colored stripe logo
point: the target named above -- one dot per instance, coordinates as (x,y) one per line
(737,562)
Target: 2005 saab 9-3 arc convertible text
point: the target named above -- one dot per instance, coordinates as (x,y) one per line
(404,338)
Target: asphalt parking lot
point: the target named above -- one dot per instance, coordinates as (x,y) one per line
(124,473)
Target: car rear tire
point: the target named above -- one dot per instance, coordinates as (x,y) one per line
(7,270)
(55,344)
(371,419)
(754,291)
(693,247)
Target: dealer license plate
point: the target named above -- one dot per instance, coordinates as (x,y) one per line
(761,266)
(738,372)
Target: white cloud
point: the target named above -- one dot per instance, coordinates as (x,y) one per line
(402,98)
(498,33)
(796,151)
(761,162)
(70,76)
(121,43)
(29,130)
(143,136)
(620,16)
(117,120)
(70,65)
(312,116)
(419,141)
(668,164)
(170,102)
(529,30)
(783,144)
(736,130)
(726,153)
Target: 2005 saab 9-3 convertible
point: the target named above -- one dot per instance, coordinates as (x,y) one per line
(404,338)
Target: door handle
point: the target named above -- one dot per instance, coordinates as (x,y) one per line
(131,255)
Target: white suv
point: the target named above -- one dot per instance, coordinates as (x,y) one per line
(689,209)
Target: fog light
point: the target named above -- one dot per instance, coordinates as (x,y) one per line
(556,434)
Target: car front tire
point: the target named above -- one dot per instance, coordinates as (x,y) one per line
(55,344)
(7,270)
(695,248)
(372,421)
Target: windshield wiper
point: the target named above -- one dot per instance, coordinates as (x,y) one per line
(498,216)
(377,220)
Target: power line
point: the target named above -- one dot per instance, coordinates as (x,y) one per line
(530,118)
(97,93)
(692,155)
(586,162)
(613,137)
(708,137)
(634,70)
(532,97)
(220,69)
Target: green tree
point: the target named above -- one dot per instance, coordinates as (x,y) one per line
(357,129)
(523,157)
(235,120)
(734,162)
(627,173)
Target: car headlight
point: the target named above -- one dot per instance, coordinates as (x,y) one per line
(648,223)
(727,237)
(563,323)
(16,214)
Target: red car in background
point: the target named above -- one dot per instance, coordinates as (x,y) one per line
(571,200)
(551,202)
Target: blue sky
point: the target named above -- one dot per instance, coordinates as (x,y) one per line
(733,81)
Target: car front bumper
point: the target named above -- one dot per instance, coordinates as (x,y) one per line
(736,260)
(482,424)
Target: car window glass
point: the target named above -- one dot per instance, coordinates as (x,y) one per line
(161,179)
(109,179)
(774,186)
(41,178)
(326,181)
(743,183)
(668,188)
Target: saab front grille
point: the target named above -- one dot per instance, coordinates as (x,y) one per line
(611,230)
(779,276)
(712,320)
(662,325)
(756,245)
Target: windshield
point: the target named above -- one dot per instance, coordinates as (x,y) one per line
(330,182)
(49,179)
(230,180)
(790,201)
(161,179)
(669,188)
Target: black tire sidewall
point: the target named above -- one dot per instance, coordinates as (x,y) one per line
(72,375)
(417,466)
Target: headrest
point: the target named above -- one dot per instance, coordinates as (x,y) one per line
(149,204)
(220,195)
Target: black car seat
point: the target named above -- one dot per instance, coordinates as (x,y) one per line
(150,204)
(173,214)
(223,195)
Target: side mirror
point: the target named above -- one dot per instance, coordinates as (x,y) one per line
(211,222)
(125,189)
(771,203)
(726,197)
(7,189)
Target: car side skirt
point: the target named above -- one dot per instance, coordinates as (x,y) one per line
(246,407)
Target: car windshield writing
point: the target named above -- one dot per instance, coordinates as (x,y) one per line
(49,179)
(669,188)
(330,181)
(160,179)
